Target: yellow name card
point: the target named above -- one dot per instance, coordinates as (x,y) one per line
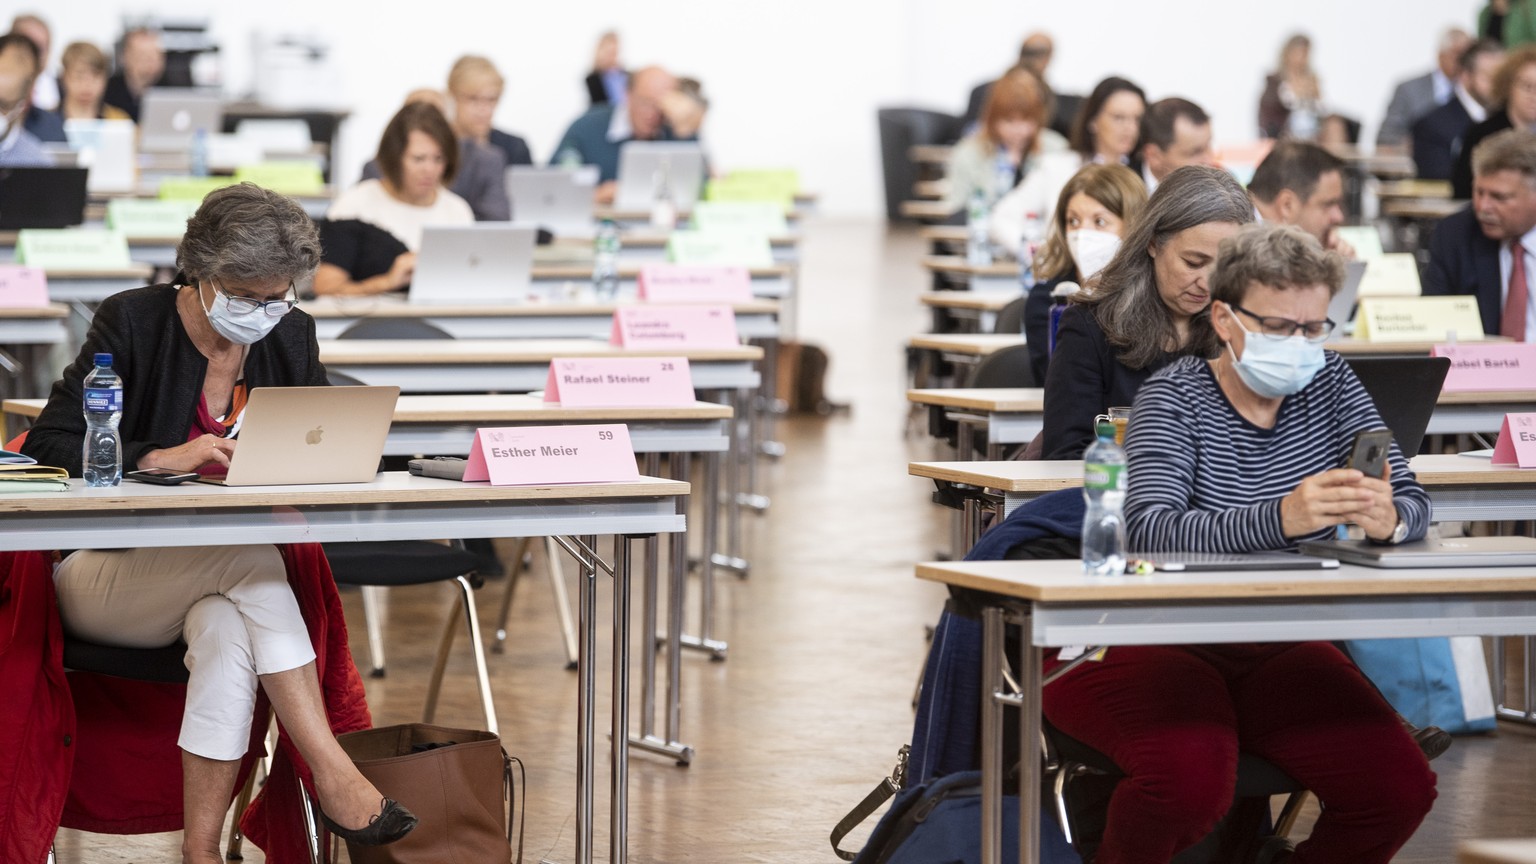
(1392,275)
(768,184)
(191,188)
(72,249)
(146,217)
(1365,239)
(743,217)
(287,178)
(1419,319)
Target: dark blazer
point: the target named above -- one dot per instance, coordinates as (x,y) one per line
(1037,325)
(1462,260)
(1437,139)
(118,95)
(514,147)
(1461,175)
(1085,379)
(45,125)
(596,92)
(162,374)
(1067,107)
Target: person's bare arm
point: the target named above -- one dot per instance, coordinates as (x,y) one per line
(333,280)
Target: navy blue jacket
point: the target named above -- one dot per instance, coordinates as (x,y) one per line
(1437,138)
(1462,260)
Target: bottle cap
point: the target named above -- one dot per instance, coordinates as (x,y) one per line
(1065,289)
(1104,429)
(103,359)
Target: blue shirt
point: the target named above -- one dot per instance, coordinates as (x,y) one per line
(590,139)
(20,149)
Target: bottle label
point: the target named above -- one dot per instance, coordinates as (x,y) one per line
(103,399)
(1104,478)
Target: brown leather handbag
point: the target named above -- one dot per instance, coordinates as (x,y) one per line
(459,784)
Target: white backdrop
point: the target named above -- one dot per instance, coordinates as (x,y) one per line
(797,82)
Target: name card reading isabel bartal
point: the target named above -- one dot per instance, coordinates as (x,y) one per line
(552,455)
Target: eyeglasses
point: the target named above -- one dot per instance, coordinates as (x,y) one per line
(245,305)
(1284,328)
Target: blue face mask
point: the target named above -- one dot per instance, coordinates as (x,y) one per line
(1274,368)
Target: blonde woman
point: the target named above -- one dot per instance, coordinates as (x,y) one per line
(475,87)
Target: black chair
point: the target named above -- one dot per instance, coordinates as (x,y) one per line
(1010,319)
(380,564)
(1006,367)
(900,130)
(160,666)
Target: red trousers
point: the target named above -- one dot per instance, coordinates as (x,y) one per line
(1174,717)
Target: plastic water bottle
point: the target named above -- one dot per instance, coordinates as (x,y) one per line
(605,261)
(101,455)
(663,209)
(1059,296)
(1104,481)
(199,167)
(978,248)
(1029,244)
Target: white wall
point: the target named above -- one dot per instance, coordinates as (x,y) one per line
(797,82)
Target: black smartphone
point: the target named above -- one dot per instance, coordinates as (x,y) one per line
(161,476)
(1369,455)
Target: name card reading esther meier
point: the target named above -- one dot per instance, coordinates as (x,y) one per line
(675,327)
(628,382)
(1517,441)
(552,455)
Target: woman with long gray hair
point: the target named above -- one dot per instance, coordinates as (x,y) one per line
(1151,305)
(188,353)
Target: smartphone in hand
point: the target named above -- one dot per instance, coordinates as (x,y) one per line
(1370,451)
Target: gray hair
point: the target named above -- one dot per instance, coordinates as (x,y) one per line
(1126,302)
(1510,150)
(1277,256)
(245,233)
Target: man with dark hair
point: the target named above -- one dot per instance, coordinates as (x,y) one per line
(1178,133)
(1302,184)
(1488,249)
(1437,136)
(18,67)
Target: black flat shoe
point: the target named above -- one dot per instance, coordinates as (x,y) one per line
(1432,740)
(392,823)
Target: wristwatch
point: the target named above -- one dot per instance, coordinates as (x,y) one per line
(1400,533)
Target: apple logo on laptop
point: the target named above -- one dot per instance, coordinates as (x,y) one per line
(313,435)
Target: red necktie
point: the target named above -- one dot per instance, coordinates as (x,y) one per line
(1513,323)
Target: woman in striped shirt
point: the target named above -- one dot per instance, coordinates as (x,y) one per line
(1241,454)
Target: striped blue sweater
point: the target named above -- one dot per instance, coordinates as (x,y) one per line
(1204,479)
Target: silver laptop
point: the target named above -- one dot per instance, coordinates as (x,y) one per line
(107,148)
(170,116)
(1342,307)
(644,165)
(559,200)
(295,436)
(484,263)
(1203,562)
(1432,551)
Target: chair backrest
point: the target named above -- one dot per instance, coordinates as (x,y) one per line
(162,665)
(341,379)
(393,328)
(1008,367)
(900,128)
(1010,318)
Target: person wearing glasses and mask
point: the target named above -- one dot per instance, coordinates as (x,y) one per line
(188,354)
(1242,453)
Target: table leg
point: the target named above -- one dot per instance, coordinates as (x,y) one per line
(618,807)
(992,684)
(1029,675)
(732,559)
(586,694)
(677,575)
(708,558)
(650,602)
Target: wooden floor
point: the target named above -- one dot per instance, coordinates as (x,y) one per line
(825,636)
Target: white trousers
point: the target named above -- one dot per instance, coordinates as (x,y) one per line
(230,604)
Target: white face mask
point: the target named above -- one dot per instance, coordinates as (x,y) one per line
(1092,250)
(242,328)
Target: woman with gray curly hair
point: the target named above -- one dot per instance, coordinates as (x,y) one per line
(188,354)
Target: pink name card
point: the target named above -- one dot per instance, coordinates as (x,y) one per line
(1489,366)
(551,455)
(628,382)
(675,327)
(23,287)
(684,283)
(1517,441)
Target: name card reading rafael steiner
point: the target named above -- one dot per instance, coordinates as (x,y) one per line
(675,327)
(1489,366)
(694,283)
(607,382)
(552,455)
(1517,441)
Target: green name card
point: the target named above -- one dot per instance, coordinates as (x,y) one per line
(727,248)
(1365,238)
(191,188)
(1419,319)
(757,185)
(287,178)
(742,217)
(72,249)
(143,217)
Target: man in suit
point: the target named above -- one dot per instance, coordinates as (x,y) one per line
(1437,136)
(1488,250)
(1034,55)
(1418,96)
